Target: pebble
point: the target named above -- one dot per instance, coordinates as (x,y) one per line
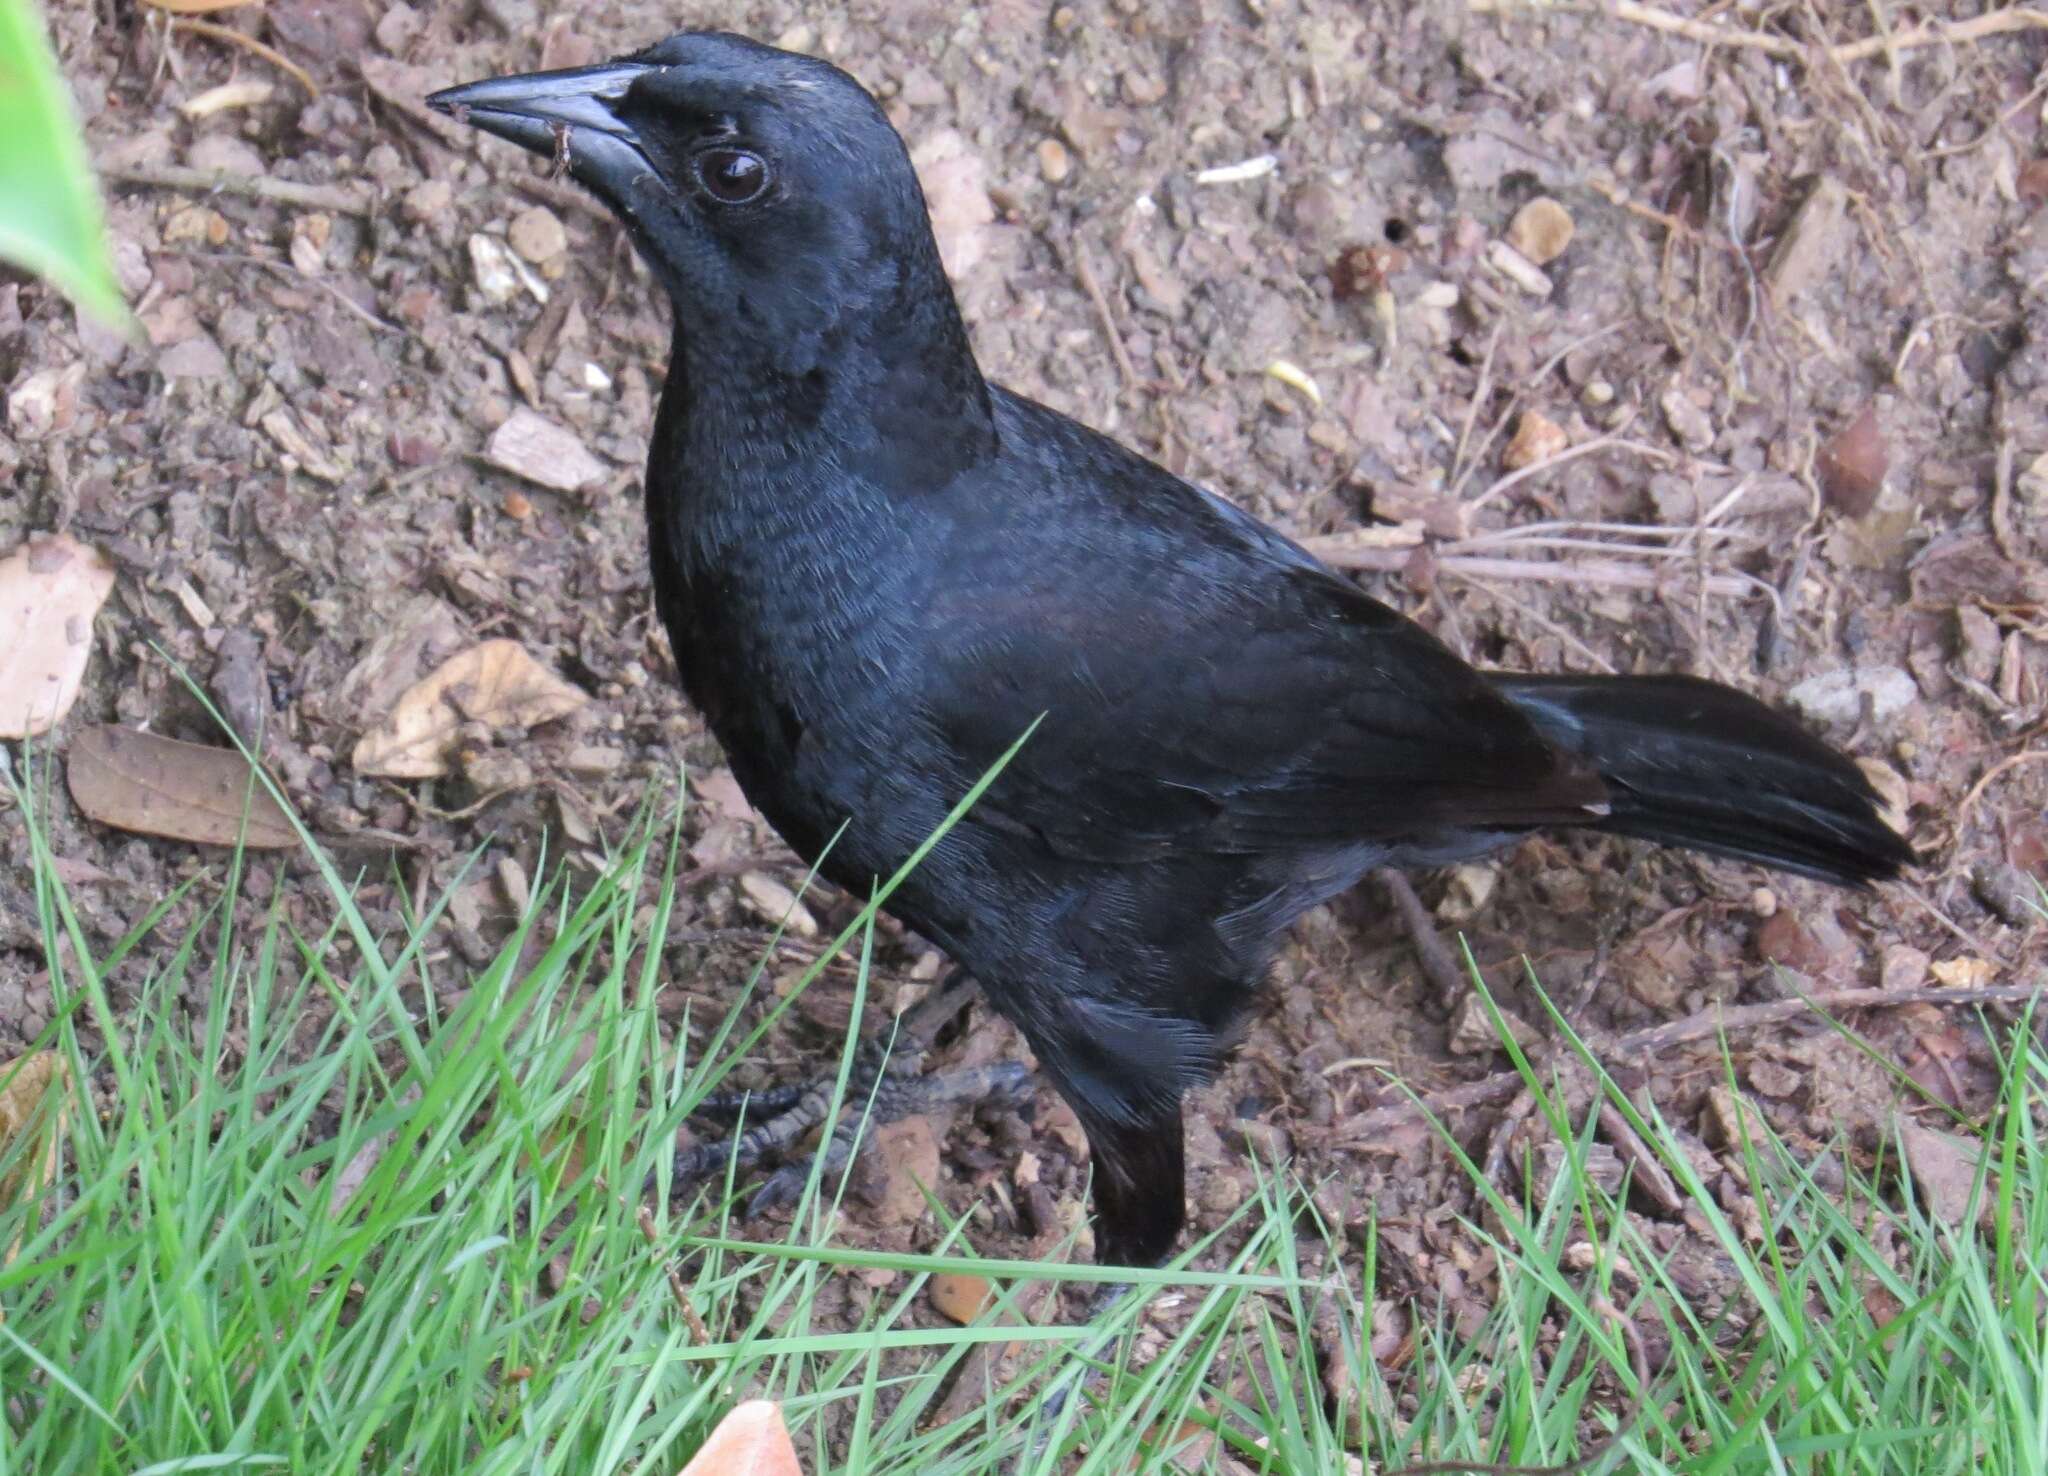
(776,905)
(1053,160)
(1905,967)
(1537,438)
(1541,230)
(537,234)
(428,200)
(1837,696)
(491,264)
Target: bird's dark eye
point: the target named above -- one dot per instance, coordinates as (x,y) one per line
(732,176)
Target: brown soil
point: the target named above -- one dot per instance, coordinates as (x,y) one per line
(1710,328)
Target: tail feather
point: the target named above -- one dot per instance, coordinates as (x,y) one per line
(1696,764)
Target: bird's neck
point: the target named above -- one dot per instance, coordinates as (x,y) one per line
(889,398)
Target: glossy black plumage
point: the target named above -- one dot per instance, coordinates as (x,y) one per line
(877,570)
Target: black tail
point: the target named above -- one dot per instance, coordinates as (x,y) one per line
(1696,764)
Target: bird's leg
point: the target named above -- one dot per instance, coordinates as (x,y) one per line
(884,1085)
(1438,962)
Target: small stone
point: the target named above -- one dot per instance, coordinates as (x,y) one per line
(492,266)
(1904,967)
(1763,902)
(310,234)
(1688,422)
(1541,230)
(198,357)
(1053,160)
(1141,90)
(2011,895)
(1597,392)
(517,505)
(1838,696)
(537,235)
(594,378)
(427,201)
(1471,886)
(1537,438)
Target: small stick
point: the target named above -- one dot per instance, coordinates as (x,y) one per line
(1714,1021)
(238,38)
(1599,572)
(676,1289)
(1437,962)
(1085,275)
(1927,33)
(254,186)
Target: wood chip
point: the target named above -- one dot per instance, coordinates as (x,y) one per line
(1537,438)
(50,590)
(1853,463)
(283,429)
(532,446)
(776,905)
(154,785)
(751,1441)
(496,683)
(247,93)
(1812,243)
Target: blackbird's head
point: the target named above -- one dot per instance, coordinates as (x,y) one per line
(767,190)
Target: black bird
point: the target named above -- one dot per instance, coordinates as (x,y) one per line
(877,569)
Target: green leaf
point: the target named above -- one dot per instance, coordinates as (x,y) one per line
(50,219)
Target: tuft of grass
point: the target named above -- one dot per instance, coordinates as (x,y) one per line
(411,1242)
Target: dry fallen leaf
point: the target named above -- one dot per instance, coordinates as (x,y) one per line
(1963,973)
(959,1297)
(751,1441)
(50,589)
(495,683)
(186,791)
(32,1099)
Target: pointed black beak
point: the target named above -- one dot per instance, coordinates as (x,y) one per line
(567,115)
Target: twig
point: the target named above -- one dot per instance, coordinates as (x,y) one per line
(676,1289)
(1085,275)
(254,186)
(285,268)
(1599,572)
(240,38)
(1984,781)
(1712,1021)
(1437,962)
(1571,453)
(1927,33)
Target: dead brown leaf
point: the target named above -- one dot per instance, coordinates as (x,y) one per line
(185,791)
(496,683)
(50,589)
(751,1441)
(32,1091)
(959,1297)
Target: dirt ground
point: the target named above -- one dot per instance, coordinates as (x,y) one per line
(1790,365)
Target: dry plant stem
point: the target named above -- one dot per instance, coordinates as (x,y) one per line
(1677,1032)
(1085,275)
(1596,572)
(1437,959)
(1927,33)
(233,37)
(254,186)
(676,1289)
